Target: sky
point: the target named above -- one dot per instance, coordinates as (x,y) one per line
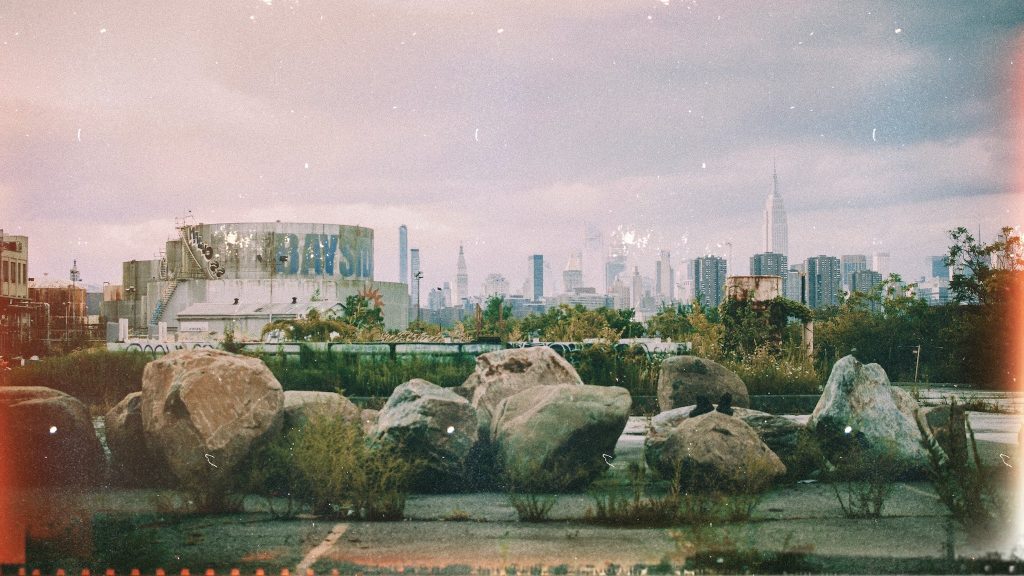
(513,129)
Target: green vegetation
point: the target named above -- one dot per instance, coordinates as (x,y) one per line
(532,507)
(365,374)
(327,465)
(96,377)
(684,501)
(969,488)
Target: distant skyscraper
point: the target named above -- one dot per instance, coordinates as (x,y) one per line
(403,255)
(664,280)
(593,256)
(851,264)
(536,284)
(880,263)
(864,280)
(414,282)
(495,285)
(770,264)
(794,287)
(461,278)
(776,232)
(638,287)
(824,281)
(572,276)
(939,267)
(708,275)
(615,265)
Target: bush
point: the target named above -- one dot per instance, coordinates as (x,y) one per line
(867,479)
(532,507)
(347,477)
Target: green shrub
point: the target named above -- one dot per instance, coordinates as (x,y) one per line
(863,479)
(532,507)
(270,471)
(347,477)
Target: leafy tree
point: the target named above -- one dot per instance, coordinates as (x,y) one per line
(313,328)
(360,312)
(670,323)
(975,279)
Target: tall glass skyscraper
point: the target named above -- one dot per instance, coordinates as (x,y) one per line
(776,232)
(461,278)
(403,254)
(536,263)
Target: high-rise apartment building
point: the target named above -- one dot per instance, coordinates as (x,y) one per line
(535,287)
(637,292)
(775,230)
(823,281)
(864,280)
(851,264)
(770,264)
(461,278)
(403,254)
(572,276)
(708,276)
(794,285)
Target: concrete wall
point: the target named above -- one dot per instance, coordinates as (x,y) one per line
(755,288)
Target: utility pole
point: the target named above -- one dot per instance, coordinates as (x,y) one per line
(917,361)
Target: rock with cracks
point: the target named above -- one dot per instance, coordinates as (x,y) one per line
(203,411)
(683,378)
(558,438)
(859,407)
(713,452)
(132,461)
(778,433)
(503,373)
(50,438)
(430,424)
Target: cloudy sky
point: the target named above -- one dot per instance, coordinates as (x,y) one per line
(510,128)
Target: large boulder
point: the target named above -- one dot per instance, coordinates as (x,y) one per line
(300,405)
(859,407)
(713,452)
(778,433)
(204,410)
(683,378)
(503,373)
(433,425)
(51,438)
(132,462)
(557,438)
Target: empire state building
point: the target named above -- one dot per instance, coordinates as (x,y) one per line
(776,238)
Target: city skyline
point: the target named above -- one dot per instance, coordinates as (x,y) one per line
(512,130)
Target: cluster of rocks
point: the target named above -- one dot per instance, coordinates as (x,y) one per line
(523,420)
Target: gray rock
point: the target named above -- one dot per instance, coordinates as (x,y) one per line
(51,438)
(859,404)
(204,410)
(556,438)
(433,425)
(778,433)
(683,378)
(132,462)
(503,373)
(300,405)
(712,451)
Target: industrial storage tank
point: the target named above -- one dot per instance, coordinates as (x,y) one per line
(264,250)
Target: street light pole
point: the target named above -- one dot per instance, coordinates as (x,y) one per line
(418,276)
(917,361)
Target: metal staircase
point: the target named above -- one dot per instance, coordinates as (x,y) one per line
(204,267)
(165,297)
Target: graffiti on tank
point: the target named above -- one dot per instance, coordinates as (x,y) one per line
(324,255)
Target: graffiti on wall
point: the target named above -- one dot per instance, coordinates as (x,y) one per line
(342,255)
